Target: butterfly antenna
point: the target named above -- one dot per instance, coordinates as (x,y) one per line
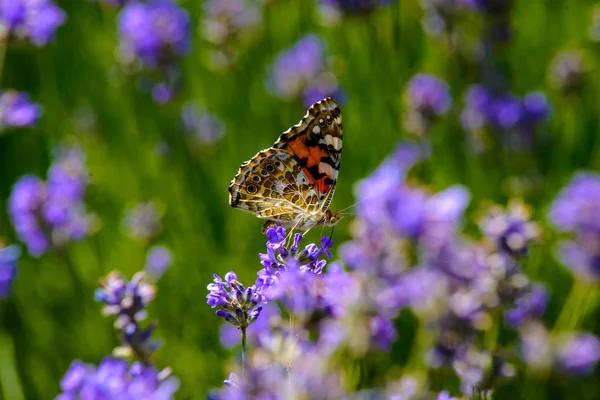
(358,202)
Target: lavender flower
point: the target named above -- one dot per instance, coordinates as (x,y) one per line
(158,259)
(143,221)
(229,25)
(510,231)
(128,300)
(202,128)
(16,110)
(514,119)
(356,6)
(51,214)
(33,20)
(576,210)
(568,71)
(532,305)
(154,33)
(427,98)
(116,379)
(579,354)
(8,268)
(302,71)
(238,306)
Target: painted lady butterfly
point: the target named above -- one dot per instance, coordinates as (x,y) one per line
(291,184)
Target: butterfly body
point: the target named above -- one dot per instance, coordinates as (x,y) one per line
(292,183)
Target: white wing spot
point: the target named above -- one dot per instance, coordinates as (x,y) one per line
(279,187)
(321,120)
(316,129)
(301,178)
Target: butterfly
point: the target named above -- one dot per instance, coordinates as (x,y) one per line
(292,183)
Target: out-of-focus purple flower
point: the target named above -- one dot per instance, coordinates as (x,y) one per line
(280,258)
(16,110)
(8,268)
(202,128)
(116,379)
(51,214)
(356,6)
(269,316)
(568,71)
(426,98)
(510,231)
(128,300)
(534,347)
(428,95)
(579,354)
(34,20)
(480,370)
(514,119)
(302,71)
(143,221)
(237,305)
(440,15)
(226,19)
(162,93)
(530,306)
(154,32)
(158,259)
(576,210)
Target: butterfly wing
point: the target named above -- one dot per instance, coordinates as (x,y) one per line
(272,186)
(297,176)
(316,145)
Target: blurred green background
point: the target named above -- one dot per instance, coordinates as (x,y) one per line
(51,317)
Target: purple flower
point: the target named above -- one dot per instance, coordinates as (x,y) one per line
(301,71)
(116,379)
(33,20)
(576,210)
(510,231)
(51,214)
(530,306)
(16,110)
(356,6)
(158,259)
(579,354)
(128,300)
(202,128)
(568,71)
(237,305)
(154,33)
(226,19)
(269,316)
(143,221)
(428,95)
(426,98)
(8,268)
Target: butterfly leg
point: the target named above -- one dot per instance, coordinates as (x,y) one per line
(290,235)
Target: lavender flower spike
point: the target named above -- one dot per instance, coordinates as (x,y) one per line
(16,110)
(238,306)
(8,268)
(33,20)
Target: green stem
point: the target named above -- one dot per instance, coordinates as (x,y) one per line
(3,43)
(244,350)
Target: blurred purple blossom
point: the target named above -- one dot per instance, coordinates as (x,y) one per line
(576,210)
(116,379)
(530,306)
(202,128)
(356,6)
(16,110)
(127,300)
(426,98)
(301,71)
(143,221)
(8,268)
(158,259)
(52,213)
(510,230)
(578,354)
(514,119)
(154,32)
(237,305)
(34,20)
(568,71)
